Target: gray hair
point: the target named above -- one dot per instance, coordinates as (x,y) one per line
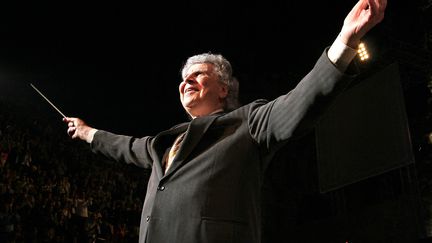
(224,71)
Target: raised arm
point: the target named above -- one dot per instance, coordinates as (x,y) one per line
(276,121)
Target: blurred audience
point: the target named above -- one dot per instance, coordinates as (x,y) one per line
(51,191)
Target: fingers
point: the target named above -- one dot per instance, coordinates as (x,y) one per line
(376,8)
(378,5)
(78,129)
(72,123)
(381,6)
(362,17)
(361,5)
(71,131)
(69,120)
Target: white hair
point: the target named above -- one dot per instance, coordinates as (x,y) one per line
(224,71)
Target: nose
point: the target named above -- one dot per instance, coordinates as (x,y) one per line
(189,81)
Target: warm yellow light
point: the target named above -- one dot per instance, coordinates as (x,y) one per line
(362,52)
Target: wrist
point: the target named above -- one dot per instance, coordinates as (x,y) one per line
(350,40)
(341,54)
(90,135)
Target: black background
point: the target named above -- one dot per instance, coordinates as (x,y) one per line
(116,65)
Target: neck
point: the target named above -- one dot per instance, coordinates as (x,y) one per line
(211,113)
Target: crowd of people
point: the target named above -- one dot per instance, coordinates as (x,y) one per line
(54,191)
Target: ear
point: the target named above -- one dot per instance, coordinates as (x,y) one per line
(223,92)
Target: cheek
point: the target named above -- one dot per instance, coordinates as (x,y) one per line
(181,87)
(181,90)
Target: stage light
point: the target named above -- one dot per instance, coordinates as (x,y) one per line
(362,52)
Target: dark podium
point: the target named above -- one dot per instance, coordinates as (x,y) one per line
(352,179)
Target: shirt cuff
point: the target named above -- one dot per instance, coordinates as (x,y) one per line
(90,135)
(340,54)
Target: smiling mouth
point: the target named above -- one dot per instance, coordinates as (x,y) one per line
(190,90)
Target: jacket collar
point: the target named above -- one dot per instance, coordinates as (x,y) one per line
(194,129)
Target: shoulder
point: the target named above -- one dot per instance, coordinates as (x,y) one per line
(243,111)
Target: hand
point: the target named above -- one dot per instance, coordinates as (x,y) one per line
(77,128)
(362,17)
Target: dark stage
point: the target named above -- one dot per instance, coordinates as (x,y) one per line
(362,175)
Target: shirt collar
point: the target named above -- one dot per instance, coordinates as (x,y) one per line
(214,112)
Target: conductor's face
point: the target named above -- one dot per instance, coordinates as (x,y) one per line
(201,92)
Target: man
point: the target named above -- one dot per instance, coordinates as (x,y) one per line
(210,189)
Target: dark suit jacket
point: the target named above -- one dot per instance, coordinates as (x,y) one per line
(212,191)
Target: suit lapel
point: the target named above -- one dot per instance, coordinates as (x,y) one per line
(195,131)
(163,141)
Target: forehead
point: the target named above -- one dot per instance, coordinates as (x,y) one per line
(200,67)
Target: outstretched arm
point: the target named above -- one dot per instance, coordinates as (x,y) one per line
(116,147)
(276,121)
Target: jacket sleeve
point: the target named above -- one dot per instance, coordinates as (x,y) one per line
(123,148)
(273,122)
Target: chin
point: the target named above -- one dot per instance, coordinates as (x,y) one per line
(188,108)
(189,103)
